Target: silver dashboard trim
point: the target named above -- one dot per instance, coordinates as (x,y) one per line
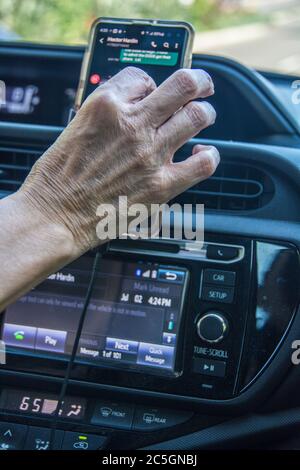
(188,250)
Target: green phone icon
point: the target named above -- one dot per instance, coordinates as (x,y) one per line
(19,335)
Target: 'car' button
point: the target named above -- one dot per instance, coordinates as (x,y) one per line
(217,294)
(220,252)
(216,276)
(150,419)
(80,441)
(12,436)
(111,414)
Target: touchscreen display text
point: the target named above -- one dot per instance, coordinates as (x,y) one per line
(133,318)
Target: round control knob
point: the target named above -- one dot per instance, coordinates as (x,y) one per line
(212,327)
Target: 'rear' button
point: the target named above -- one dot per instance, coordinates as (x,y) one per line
(216,276)
(151,419)
(220,252)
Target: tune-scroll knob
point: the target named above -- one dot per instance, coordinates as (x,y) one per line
(212,327)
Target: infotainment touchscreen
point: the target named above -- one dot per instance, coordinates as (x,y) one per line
(133,319)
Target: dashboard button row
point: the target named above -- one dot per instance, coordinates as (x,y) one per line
(218,285)
(139,418)
(18,436)
(110,414)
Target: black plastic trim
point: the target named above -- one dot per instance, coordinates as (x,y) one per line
(251,84)
(236,433)
(265,101)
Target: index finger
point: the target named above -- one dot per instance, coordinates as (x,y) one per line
(131,84)
(183,86)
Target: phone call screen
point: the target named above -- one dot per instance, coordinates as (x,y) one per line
(158,50)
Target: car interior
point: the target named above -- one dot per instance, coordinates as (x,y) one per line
(211,361)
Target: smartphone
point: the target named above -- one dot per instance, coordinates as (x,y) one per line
(159,47)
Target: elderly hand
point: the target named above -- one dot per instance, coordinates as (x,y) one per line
(122,142)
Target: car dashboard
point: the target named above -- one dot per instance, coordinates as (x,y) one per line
(185,345)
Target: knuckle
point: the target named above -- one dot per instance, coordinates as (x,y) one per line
(208,166)
(197,114)
(135,72)
(101,107)
(186,82)
(105,97)
(102,100)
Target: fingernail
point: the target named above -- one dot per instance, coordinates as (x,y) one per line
(210,111)
(211,83)
(216,154)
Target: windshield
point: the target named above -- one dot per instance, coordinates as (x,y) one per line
(264,34)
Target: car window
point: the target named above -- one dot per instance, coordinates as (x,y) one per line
(263,34)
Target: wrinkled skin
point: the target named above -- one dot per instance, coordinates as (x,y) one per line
(122,142)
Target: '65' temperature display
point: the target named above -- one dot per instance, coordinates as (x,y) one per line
(42,404)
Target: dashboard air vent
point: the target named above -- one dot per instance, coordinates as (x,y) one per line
(15,165)
(233,187)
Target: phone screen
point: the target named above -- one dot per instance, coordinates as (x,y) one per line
(159,50)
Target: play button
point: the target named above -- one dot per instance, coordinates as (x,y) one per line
(209,367)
